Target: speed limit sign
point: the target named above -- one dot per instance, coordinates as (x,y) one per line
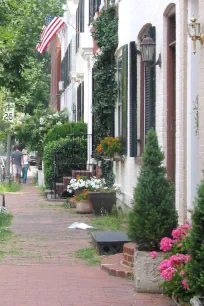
(9,112)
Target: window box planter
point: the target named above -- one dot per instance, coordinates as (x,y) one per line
(146,273)
(118,157)
(102,201)
(84,207)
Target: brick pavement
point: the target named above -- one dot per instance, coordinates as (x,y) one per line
(39,269)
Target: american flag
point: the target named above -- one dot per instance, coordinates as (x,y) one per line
(49,30)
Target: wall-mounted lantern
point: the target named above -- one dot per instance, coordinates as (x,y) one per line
(194,32)
(148,47)
(74,111)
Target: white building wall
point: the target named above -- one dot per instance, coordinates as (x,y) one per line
(192,94)
(132,18)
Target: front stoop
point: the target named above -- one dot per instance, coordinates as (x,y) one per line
(120,265)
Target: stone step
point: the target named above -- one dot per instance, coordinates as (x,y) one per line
(113,266)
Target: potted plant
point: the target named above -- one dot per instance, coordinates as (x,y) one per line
(77,185)
(102,196)
(174,268)
(83,205)
(153,216)
(111,147)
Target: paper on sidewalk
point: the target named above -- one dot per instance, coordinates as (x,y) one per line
(80,225)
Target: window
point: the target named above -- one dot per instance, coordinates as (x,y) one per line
(80,102)
(94,6)
(66,66)
(79,22)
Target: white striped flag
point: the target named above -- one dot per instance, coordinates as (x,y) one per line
(54,24)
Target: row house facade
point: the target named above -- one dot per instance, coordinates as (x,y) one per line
(164,96)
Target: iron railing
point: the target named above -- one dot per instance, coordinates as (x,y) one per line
(74,154)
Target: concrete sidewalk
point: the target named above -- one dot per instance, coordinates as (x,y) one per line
(39,268)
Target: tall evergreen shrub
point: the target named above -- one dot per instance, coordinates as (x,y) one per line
(154,215)
(196,266)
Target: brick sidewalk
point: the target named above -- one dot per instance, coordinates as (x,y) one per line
(39,269)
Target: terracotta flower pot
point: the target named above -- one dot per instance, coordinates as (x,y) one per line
(102,201)
(84,207)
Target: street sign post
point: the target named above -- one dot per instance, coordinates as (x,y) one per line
(8,116)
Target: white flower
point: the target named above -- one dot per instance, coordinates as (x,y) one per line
(42,121)
(59,123)
(56,115)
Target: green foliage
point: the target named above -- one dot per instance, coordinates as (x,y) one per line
(31,130)
(37,86)
(62,131)
(154,215)
(71,154)
(20,25)
(113,222)
(196,266)
(89,255)
(107,172)
(5,219)
(105,88)
(9,188)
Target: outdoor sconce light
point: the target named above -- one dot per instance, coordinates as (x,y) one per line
(73,108)
(194,32)
(148,47)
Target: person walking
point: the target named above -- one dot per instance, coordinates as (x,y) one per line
(16,161)
(25,165)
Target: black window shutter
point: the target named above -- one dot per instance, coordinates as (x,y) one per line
(124,93)
(150,91)
(81,15)
(133,99)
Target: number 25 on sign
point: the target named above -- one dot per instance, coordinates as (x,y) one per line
(9,112)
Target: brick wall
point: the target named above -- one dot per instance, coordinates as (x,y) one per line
(55,52)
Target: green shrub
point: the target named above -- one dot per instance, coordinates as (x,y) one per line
(154,215)
(196,265)
(63,131)
(71,155)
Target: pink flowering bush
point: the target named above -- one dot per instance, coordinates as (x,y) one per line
(174,268)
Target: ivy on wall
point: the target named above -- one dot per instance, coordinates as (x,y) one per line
(105,87)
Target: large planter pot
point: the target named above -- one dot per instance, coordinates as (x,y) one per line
(102,201)
(146,272)
(197,301)
(84,207)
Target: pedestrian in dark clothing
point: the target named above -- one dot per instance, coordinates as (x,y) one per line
(16,161)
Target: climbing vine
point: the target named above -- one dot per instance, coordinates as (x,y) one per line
(105,87)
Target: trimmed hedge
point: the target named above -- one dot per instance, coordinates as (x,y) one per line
(63,131)
(71,155)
